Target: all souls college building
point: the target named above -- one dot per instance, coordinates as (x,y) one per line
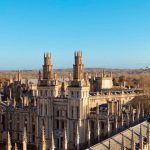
(67,115)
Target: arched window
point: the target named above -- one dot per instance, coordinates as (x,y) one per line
(41,109)
(45,109)
(77,94)
(72,94)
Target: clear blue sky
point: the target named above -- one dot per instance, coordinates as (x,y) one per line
(111,33)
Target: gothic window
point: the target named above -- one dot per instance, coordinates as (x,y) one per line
(17,136)
(62,125)
(72,111)
(77,94)
(33,138)
(57,124)
(92,124)
(25,118)
(71,93)
(41,109)
(57,113)
(102,125)
(57,142)
(10,125)
(32,118)
(77,112)
(33,128)
(45,109)
(113,126)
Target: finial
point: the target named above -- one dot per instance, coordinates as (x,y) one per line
(65,139)
(75,53)
(14,102)
(16,147)
(43,139)
(24,139)
(53,142)
(8,141)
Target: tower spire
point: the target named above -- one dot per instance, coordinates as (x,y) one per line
(53,142)
(16,147)
(8,141)
(24,139)
(43,139)
(65,140)
(14,102)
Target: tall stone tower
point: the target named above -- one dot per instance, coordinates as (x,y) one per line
(48,80)
(48,88)
(78,93)
(78,67)
(47,67)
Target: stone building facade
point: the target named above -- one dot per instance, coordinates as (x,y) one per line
(72,117)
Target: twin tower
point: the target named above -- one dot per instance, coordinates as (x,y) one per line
(78,67)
